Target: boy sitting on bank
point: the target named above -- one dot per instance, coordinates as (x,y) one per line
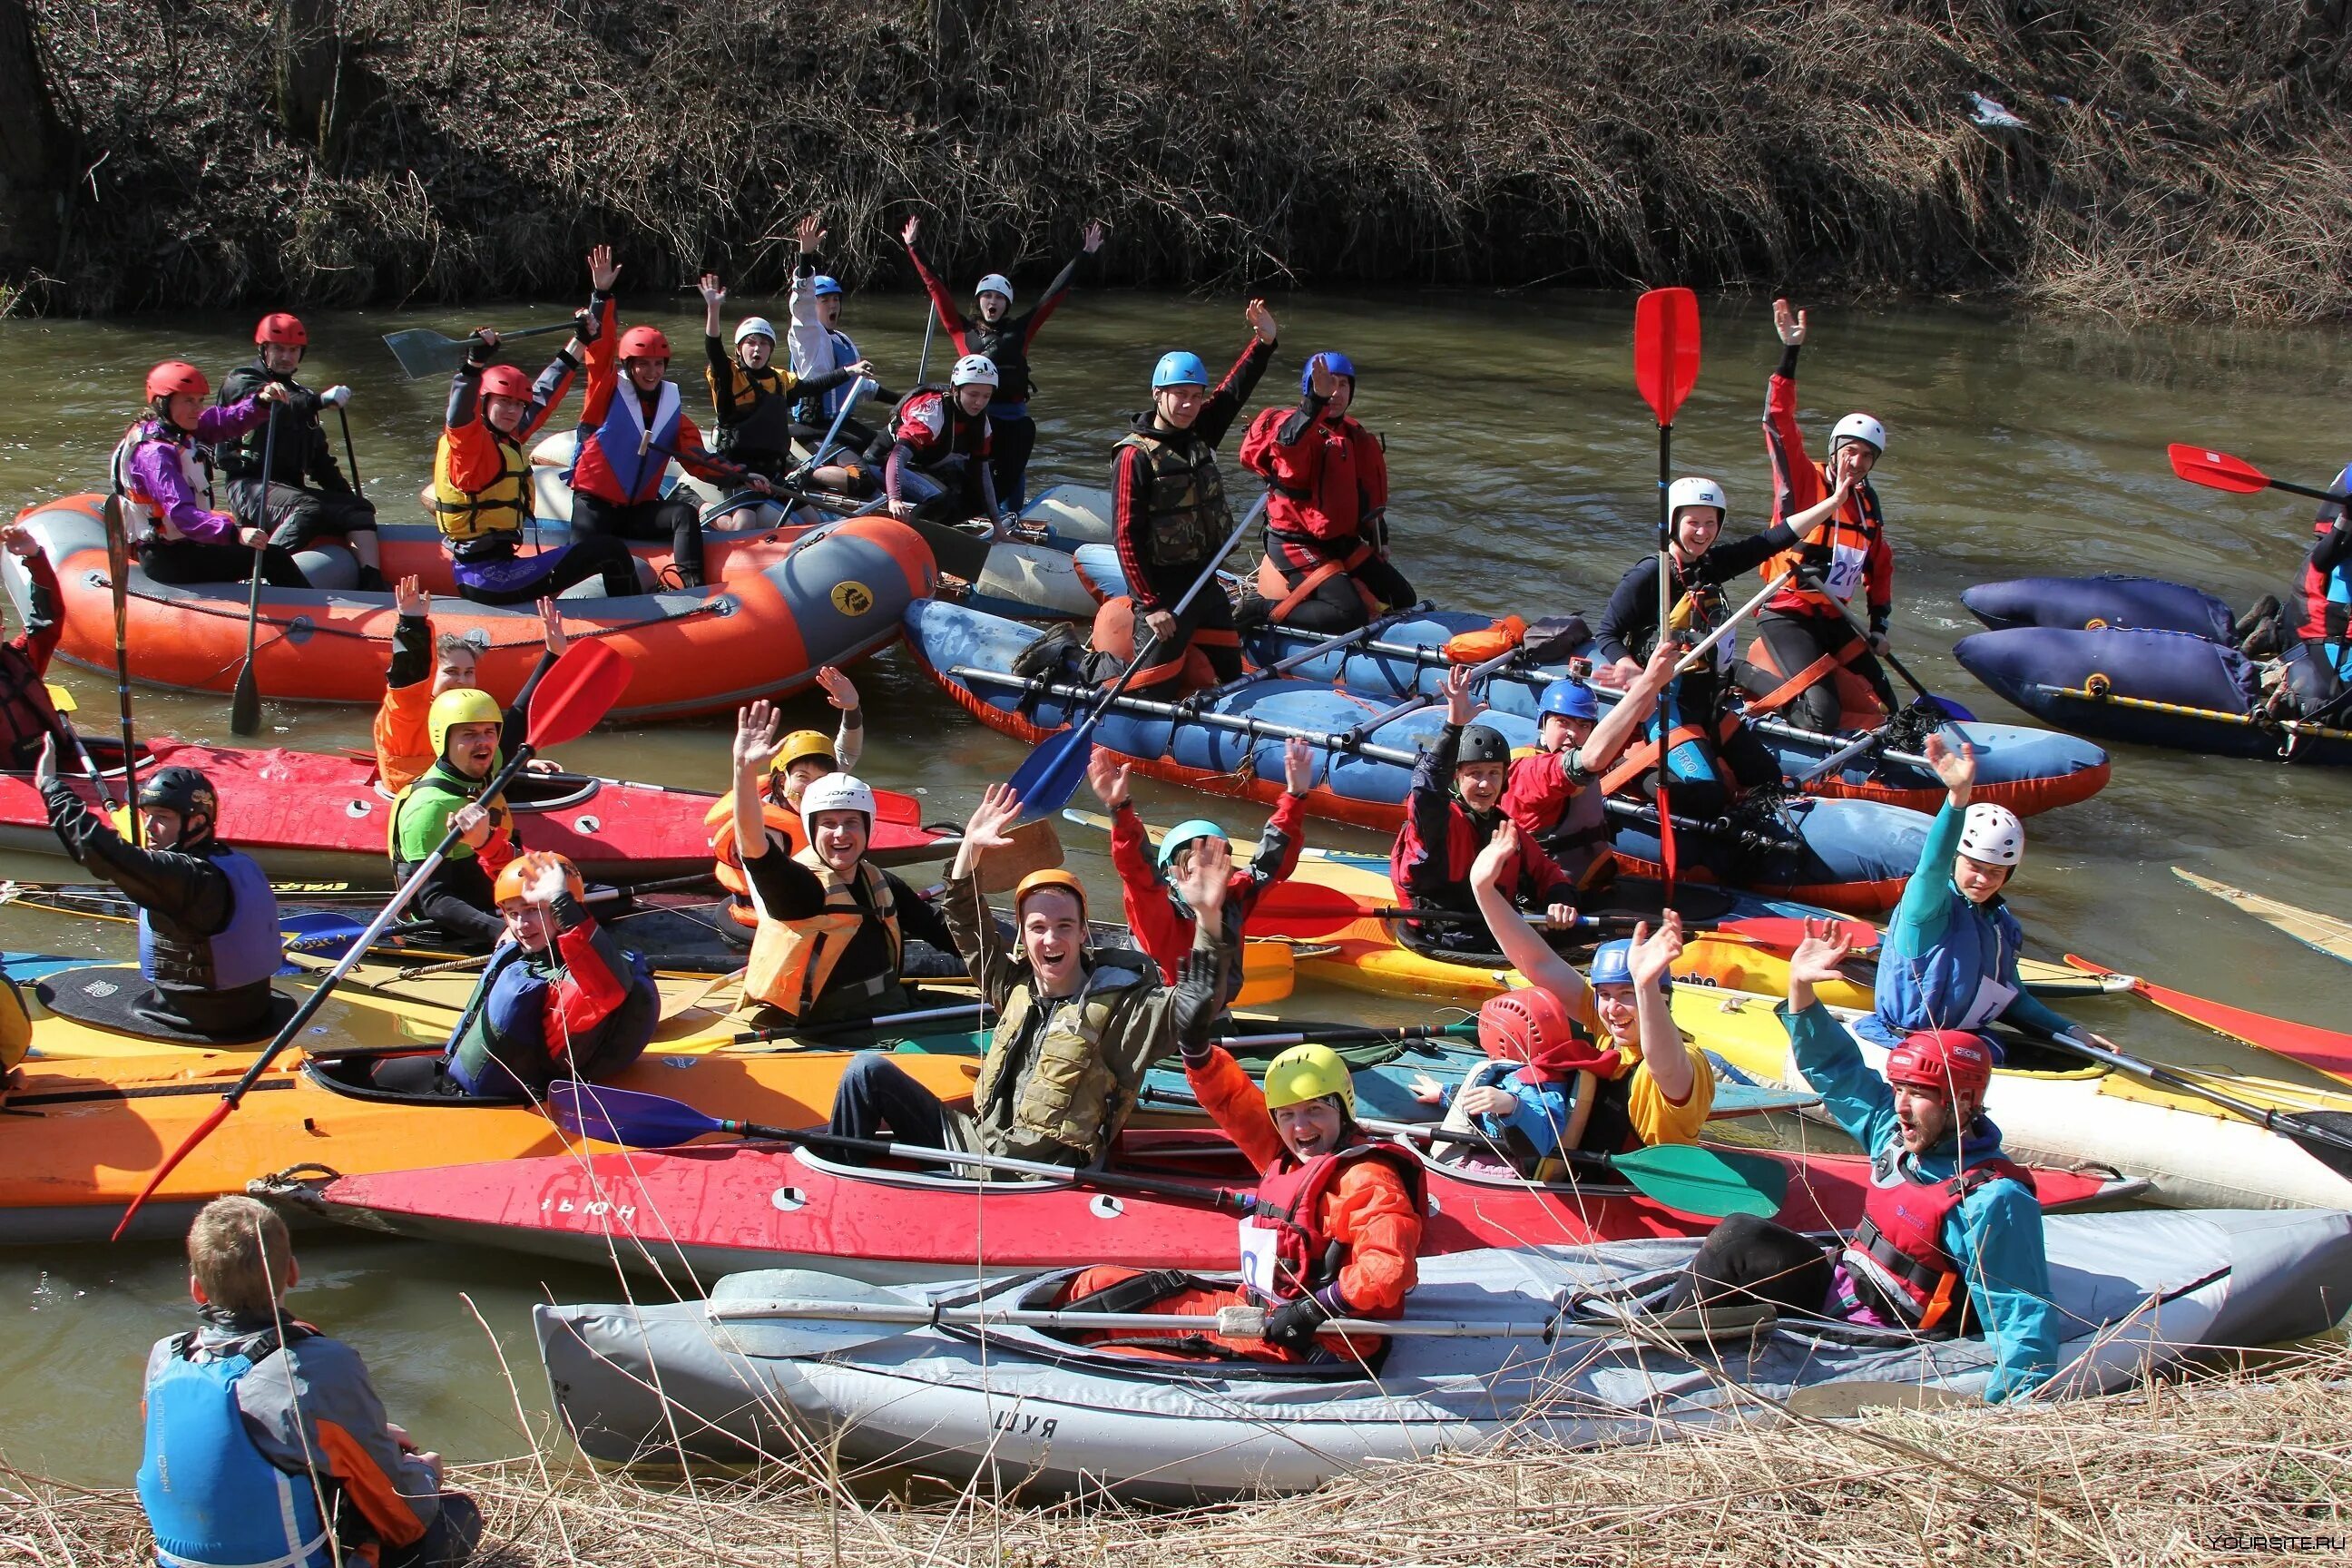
(264,1434)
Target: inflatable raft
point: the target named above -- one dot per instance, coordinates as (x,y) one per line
(1850,855)
(791,1361)
(836,596)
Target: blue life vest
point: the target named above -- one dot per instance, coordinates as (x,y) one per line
(212,1501)
(844,352)
(500,1049)
(246,951)
(637,457)
(1963,982)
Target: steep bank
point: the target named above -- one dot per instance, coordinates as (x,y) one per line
(2173,157)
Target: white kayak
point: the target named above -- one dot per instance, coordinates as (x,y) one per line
(777,1362)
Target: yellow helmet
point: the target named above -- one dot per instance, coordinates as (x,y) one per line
(1309,1072)
(460,705)
(799,745)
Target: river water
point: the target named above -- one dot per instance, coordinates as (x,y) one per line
(1523,463)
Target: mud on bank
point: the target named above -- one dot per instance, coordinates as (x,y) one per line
(2170,157)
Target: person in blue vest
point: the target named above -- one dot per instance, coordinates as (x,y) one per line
(266,1445)
(561,998)
(1951,1242)
(1949,960)
(208,936)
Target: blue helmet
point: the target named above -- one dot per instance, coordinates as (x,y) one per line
(1612,965)
(1333,361)
(1569,700)
(1185,833)
(1178,368)
(823,283)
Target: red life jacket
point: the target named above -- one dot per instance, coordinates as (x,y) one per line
(934,425)
(1898,1252)
(1463,841)
(2323,608)
(1838,554)
(1285,1251)
(26,711)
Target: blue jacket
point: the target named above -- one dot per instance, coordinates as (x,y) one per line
(1540,1115)
(1995,1234)
(1949,963)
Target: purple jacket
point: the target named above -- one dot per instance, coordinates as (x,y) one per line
(157,471)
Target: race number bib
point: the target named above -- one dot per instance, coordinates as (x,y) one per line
(1261,1258)
(1845,572)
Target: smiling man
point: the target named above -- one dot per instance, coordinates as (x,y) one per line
(464,726)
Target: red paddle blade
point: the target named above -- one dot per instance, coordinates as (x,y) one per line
(579,692)
(1781,933)
(1666,349)
(2216,471)
(202,1131)
(1303,910)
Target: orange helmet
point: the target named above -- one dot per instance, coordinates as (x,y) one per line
(176,375)
(1038,882)
(643,342)
(506,381)
(520,872)
(278,327)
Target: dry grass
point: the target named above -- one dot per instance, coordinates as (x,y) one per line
(2180,157)
(2209,1472)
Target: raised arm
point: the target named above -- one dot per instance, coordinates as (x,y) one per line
(1528,952)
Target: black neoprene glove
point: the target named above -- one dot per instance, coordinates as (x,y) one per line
(1292,1326)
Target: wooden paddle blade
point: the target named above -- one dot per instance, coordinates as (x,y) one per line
(577,694)
(245,703)
(2216,471)
(623,1116)
(204,1129)
(1666,349)
(1304,910)
(1036,846)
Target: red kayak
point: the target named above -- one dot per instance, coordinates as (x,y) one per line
(289,808)
(721,1208)
(2323,1050)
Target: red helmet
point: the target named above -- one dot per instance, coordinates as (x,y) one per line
(278,327)
(506,381)
(643,342)
(1534,1027)
(1950,1062)
(176,375)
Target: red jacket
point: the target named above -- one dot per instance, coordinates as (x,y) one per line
(1163,923)
(1327,481)
(1799,482)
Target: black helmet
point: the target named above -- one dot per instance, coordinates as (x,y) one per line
(184,790)
(1483,743)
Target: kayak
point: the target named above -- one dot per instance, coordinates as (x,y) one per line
(834,596)
(718,1208)
(2080,603)
(2327,1051)
(2054,1108)
(793,1362)
(309,813)
(2321,933)
(1852,855)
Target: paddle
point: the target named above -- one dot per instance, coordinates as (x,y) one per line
(2306,1044)
(930,325)
(62,703)
(638,1120)
(244,702)
(118,571)
(2320,932)
(1686,1177)
(1046,781)
(577,692)
(422,352)
(2324,1135)
(2220,471)
(1665,367)
(351,458)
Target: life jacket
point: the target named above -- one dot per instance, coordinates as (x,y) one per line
(1697,609)
(298,433)
(212,1499)
(728,859)
(1464,840)
(2324,611)
(1331,454)
(1068,1093)
(1577,839)
(792,959)
(635,453)
(521,1060)
(935,426)
(497,511)
(142,515)
(1006,344)
(1186,512)
(1957,984)
(768,428)
(1898,1253)
(1836,554)
(26,714)
(819,407)
(1691,744)
(443,783)
(1285,1251)
(246,951)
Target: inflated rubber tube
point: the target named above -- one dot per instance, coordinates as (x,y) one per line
(2073,604)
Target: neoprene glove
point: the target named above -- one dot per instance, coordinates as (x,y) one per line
(335,396)
(1292,1326)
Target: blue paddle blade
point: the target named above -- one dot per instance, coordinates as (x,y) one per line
(1954,712)
(624,1116)
(1052,773)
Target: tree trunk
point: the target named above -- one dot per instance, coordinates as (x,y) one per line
(32,144)
(309,73)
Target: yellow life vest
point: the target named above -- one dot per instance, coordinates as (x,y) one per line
(791,960)
(499,507)
(1069,1094)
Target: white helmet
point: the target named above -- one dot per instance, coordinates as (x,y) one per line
(1860,427)
(835,791)
(973,370)
(755,327)
(1988,833)
(1694,492)
(995,283)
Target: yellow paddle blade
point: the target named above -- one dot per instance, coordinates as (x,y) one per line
(60,699)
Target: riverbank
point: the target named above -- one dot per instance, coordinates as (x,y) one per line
(2223,1470)
(2181,158)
